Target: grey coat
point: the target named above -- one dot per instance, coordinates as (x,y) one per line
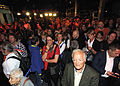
(28,82)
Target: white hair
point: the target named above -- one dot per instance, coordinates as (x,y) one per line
(17,73)
(79,50)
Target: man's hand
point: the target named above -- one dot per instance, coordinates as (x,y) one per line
(112,74)
(89,48)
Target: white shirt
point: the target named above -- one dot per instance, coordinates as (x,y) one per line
(68,43)
(109,64)
(61,48)
(78,77)
(90,43)
(10,64)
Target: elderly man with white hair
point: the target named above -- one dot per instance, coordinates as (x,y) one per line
(17,78)
(79,74)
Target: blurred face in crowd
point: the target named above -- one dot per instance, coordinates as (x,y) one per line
(13,80)
(114,53)
(91,35)
(110,21)
(78,60)
(99,36)
(49,32)
(64,37)
(60,37)
(50,41)
(75,34)
(2,37)
(12,39)
(112,37)
(63,29)
(100,25)
(83,27)
(43,37)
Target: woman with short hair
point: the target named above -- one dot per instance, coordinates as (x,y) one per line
(17,78)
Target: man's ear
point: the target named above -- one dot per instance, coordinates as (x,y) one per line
(85,60)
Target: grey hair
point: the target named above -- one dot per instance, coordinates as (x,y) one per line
(7,46)
(74,45)
(17,73)
(79,50)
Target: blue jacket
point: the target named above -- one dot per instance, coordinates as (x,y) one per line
(36,59)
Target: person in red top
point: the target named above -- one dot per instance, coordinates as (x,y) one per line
(101,28)
(50,60)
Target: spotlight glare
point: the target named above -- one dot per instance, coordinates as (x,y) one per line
(46,14)
(50,14)
(41,15)
(54,14)
(18,14)
(35,14)
(27,13)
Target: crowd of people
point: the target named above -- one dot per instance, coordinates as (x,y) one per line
(68,51)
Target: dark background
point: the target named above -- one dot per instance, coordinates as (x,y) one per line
(112,6)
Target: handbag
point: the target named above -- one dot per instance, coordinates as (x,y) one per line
(53,67)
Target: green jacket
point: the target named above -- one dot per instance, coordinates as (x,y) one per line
(89,78)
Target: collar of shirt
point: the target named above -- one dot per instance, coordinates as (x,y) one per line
(77,76)
(109,64)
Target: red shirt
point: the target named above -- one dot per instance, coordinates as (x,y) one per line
(105,32)
(50,54)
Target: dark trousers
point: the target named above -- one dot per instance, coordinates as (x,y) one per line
(114,81)
(51,78)
(54,79)
(104,81)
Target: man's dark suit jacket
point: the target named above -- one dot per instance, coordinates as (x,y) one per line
(100,62)
(89,78)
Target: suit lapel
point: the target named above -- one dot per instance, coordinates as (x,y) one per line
(72,76)
(84,77)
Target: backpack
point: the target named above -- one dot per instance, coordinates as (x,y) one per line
(23,65)
(24,61)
